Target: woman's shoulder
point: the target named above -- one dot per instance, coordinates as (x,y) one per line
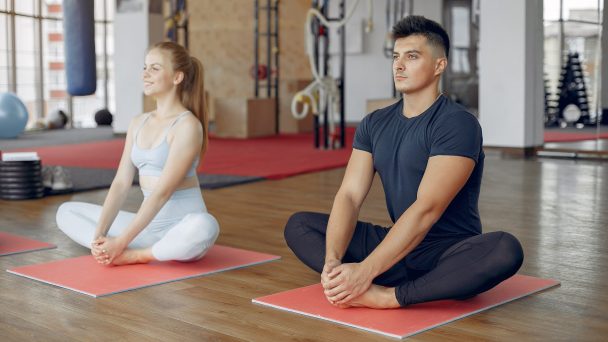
(188,120)
(187,124)
(137,120)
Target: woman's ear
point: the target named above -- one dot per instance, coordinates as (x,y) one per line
(178,78)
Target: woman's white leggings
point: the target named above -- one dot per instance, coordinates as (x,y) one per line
(182,230)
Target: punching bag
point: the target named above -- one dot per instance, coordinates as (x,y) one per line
(79,40)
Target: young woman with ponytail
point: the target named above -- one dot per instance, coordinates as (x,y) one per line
(165,147)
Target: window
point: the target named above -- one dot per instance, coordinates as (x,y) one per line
(573,27)
(4,52)
(40,80)
(26,65)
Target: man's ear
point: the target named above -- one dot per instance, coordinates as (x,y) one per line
(178,78)
(440,65)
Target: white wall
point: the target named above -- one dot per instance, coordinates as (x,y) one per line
(368,73)
(511,95)
(134,32)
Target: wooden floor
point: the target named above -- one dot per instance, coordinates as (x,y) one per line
(557,208)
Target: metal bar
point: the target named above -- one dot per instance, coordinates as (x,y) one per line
(106,100)
(342,75)
(276,66)
(315,28)
(325,64)
(561,32)
(256,47)
(268,48)
(578,21)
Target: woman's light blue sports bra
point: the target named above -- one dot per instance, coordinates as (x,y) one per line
(151,161)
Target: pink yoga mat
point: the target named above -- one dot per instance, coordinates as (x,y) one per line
(404,322)
(83,274)
(13,244)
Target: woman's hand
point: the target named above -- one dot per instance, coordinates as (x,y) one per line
(109,248)
(96,249)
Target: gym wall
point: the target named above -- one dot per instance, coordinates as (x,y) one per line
(221,34)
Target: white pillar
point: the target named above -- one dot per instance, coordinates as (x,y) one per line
(137,25)
(511,91)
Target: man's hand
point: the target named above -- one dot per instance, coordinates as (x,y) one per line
(327,268)
(347,282)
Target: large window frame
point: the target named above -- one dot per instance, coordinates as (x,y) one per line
(557,15)
(35,10)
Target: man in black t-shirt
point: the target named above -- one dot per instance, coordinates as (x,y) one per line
(428,153)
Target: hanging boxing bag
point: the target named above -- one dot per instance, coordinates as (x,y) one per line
(79,40)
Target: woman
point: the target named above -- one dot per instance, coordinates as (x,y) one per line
(164,145)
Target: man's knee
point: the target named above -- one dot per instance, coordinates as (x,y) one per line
(295,226)
(508,254)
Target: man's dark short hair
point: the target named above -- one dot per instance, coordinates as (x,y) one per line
(419,25)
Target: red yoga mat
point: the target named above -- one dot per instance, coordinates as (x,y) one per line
(404,322)
(83,274)
(13,244)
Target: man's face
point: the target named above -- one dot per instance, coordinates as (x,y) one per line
(415,64)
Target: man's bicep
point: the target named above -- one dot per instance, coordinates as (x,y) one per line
(443,178)
(358,176)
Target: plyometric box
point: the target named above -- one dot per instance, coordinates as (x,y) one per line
(244,118)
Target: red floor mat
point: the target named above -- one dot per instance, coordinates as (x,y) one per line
(13,244)
(555,136)
(271,157)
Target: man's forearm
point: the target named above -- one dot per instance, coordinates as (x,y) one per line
(340,227)
(407,233)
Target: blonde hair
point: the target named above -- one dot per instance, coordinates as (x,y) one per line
(191,90)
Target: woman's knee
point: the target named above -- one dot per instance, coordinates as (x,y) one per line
(64,214)
(201,227)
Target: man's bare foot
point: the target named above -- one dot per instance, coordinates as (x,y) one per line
(376,297)
(134,256)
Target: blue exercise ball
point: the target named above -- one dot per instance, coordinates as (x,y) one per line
(13,116)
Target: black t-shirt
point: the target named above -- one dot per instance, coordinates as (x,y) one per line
(401,148)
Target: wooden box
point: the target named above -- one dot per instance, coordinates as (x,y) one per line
(244,117)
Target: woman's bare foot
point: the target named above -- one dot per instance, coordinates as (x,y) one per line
(134,256)
(376,297)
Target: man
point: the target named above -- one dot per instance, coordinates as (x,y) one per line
(428,153)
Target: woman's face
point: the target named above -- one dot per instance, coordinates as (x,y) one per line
(158,75)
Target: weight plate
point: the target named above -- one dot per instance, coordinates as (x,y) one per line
(21,191)
(23,186)
(20,168)
(21,197)
(20,175)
